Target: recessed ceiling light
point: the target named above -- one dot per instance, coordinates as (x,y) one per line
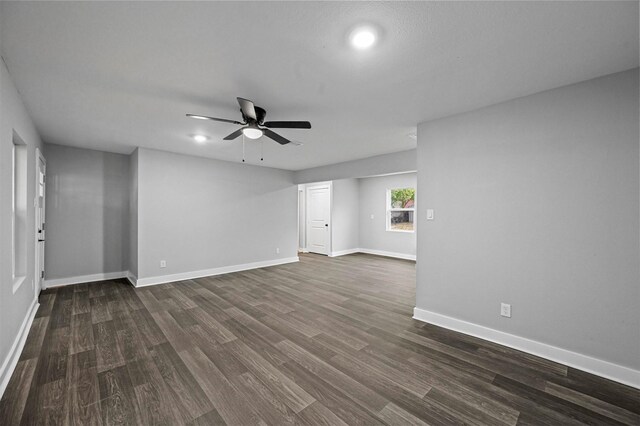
(200,138)
(252,132)
(363,37)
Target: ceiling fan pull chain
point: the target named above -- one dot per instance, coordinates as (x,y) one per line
(261,150)
(243,148)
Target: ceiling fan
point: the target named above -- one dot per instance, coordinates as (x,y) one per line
(254,124)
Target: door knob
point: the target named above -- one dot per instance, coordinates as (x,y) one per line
(41,241)
(326,224)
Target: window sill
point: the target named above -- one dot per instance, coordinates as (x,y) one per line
(401,230)
(17,282)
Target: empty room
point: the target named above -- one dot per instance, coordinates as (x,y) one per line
(319,213)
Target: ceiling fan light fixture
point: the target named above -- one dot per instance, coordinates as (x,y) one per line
(252,132)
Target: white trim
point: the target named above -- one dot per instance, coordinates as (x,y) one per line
(374,252)
(402,230)
(132,278)
(302,218)
(85,279)
(39,279)
(161,279)
(586,363)
(343,252)
(310,187)
(390,210)
(10,362)
(388,254)
(17,283)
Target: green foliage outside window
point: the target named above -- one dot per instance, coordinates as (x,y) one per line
(401,197)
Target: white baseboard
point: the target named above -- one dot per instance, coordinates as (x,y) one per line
(84,279)
(586,363)
(10,362)
(132,278)
(388,254)
(343,252)
(374,252)
(161,279)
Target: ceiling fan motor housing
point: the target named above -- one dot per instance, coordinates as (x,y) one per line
(260,115)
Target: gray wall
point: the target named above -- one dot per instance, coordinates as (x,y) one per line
(372,200)
(396,162)
(133,214)
(538,200)
(199,214)
(344,215)
(14,306)
(87,212)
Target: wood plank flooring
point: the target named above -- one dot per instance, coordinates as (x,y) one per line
(323,341)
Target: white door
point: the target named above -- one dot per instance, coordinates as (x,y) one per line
(40,220)
(318,215)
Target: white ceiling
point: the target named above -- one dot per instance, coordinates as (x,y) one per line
(116,75)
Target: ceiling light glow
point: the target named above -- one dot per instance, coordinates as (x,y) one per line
(199,117)
(200,138)
(363,38)
(252,132)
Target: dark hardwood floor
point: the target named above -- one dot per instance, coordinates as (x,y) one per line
(323,341)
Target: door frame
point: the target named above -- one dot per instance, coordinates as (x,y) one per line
(38,280)
(302,218)
(318,185)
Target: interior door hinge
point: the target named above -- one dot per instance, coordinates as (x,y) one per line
(42,274)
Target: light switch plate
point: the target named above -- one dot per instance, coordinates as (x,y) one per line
(429,214)
(505,310)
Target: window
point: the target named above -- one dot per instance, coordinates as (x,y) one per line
(401,206)
(19,231)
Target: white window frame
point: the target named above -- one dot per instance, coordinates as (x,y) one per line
(390,210)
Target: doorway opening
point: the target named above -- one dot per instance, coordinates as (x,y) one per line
(373,214)
(314,218)
(19,213)
(41,167)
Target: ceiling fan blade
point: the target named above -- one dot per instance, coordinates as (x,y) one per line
(247,108)
(288,124)
(204,117)
(233,135)
(276,137)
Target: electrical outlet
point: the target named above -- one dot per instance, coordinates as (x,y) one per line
(277,251)
(163,263)
(505,310)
